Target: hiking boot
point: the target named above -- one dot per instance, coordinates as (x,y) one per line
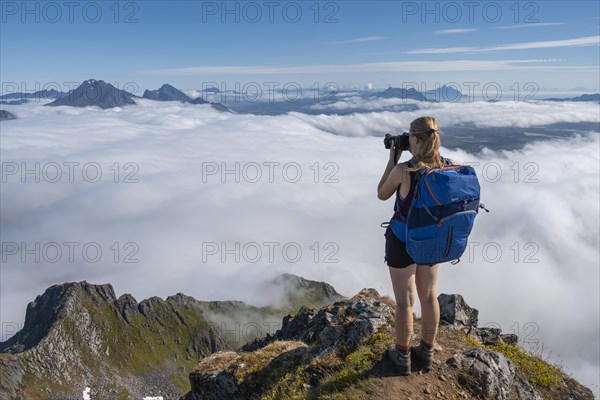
(402,362)
(423,358)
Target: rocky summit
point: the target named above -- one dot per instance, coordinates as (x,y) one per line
(340,351)
(79,335)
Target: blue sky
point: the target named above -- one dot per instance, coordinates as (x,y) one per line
(351,43)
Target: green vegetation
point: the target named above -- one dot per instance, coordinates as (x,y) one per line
(291,387)
(540,373)
(360,361)
(336,372)
(124,395)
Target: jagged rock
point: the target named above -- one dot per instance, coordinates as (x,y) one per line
(509,338)
(343,323)
(489,336)
(128,307)
(455,312)
(523,390)
(370,314)
(486,373)
(489,374)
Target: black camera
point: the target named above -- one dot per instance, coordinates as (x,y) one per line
(400,142)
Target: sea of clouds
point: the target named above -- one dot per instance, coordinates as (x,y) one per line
(532,268)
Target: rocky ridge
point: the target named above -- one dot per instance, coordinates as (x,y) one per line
(340,351)
(79,335)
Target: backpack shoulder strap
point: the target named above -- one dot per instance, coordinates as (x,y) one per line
(410,165)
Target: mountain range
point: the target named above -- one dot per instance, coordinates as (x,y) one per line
(81,338)
(98,93)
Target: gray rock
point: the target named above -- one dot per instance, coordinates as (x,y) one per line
(490,375)
(455,312)
(490,336)
(344,322)
(486,373)
(509,338)
(213,387)
(523,390)
(487,336)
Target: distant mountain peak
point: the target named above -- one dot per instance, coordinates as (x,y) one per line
(402,93)
(298,291)
(94,92)
(166,93)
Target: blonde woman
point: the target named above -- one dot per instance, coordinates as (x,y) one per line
(424,141)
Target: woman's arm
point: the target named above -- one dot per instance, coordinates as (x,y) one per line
(391,178)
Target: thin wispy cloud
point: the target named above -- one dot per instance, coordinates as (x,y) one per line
(530,25)
(576,42)
(452,31)
(361,40)
(392,66)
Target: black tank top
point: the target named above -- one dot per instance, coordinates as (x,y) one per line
(402,205)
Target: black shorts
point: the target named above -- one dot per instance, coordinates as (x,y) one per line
(396,255)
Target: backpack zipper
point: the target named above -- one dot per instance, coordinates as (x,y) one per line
(448,240)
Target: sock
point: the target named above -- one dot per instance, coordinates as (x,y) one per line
(404,350)
(428,346)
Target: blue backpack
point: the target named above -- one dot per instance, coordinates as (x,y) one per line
(441,214)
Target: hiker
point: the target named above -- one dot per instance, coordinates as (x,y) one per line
(424,145)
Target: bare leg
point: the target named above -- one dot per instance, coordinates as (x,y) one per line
(403,282)
(426,280)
